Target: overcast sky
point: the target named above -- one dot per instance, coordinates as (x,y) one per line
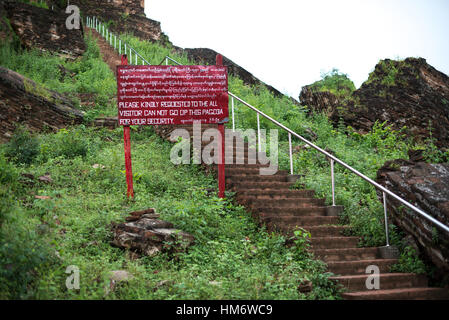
(288,43)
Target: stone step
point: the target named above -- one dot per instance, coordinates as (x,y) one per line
(228,146)
(244,165)
(285,217)
(283,204)
(240,149)
(359,267)
(386,281)
(271,205)
(262,185)
(250,172)
(346,254)
(400,294)
(276,194)
(242,160)
(310,208)
(289,223)
(334,242)
(325,231)
(255,178)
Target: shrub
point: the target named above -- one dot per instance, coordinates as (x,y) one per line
(67,143)
(409,262)
(336,82)
(23,147)
(23,256)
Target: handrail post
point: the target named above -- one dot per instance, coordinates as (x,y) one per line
(258,132)
(166,60)
(232,109)
(386,219)
(290,152)
(333,182)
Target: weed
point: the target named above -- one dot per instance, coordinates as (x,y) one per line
(23,147)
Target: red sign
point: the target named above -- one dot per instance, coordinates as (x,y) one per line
(162,95)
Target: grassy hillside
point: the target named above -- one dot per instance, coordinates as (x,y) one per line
(48,225)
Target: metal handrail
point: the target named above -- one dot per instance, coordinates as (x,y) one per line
(97,24)
(332,158)
(361,175)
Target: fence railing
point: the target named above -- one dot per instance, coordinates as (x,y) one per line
(100,27)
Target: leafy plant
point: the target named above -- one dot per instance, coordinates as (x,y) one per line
(23,147)
(335,82)
(432,153)
(409,262)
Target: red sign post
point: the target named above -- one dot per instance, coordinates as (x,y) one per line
(171,95)
(127,145)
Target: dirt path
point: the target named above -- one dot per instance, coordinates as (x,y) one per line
(110,56)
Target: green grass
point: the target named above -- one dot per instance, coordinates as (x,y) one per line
(36,3)
(231,259)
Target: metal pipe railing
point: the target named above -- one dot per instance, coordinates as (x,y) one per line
(361,175)
(333,182)
(232,112)
(105,33)
(332,158)
(386,219)
(290,152)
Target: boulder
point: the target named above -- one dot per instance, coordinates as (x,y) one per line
(146,234)
(425,186)
(24,101)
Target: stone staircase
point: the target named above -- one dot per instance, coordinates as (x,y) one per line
(281,209)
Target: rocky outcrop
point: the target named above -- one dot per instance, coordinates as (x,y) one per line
(6,32)
(124,16)
(145,234)
(407,93)
(136,7)
(24,101)
(319,101)
(426,186)
(44,29)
